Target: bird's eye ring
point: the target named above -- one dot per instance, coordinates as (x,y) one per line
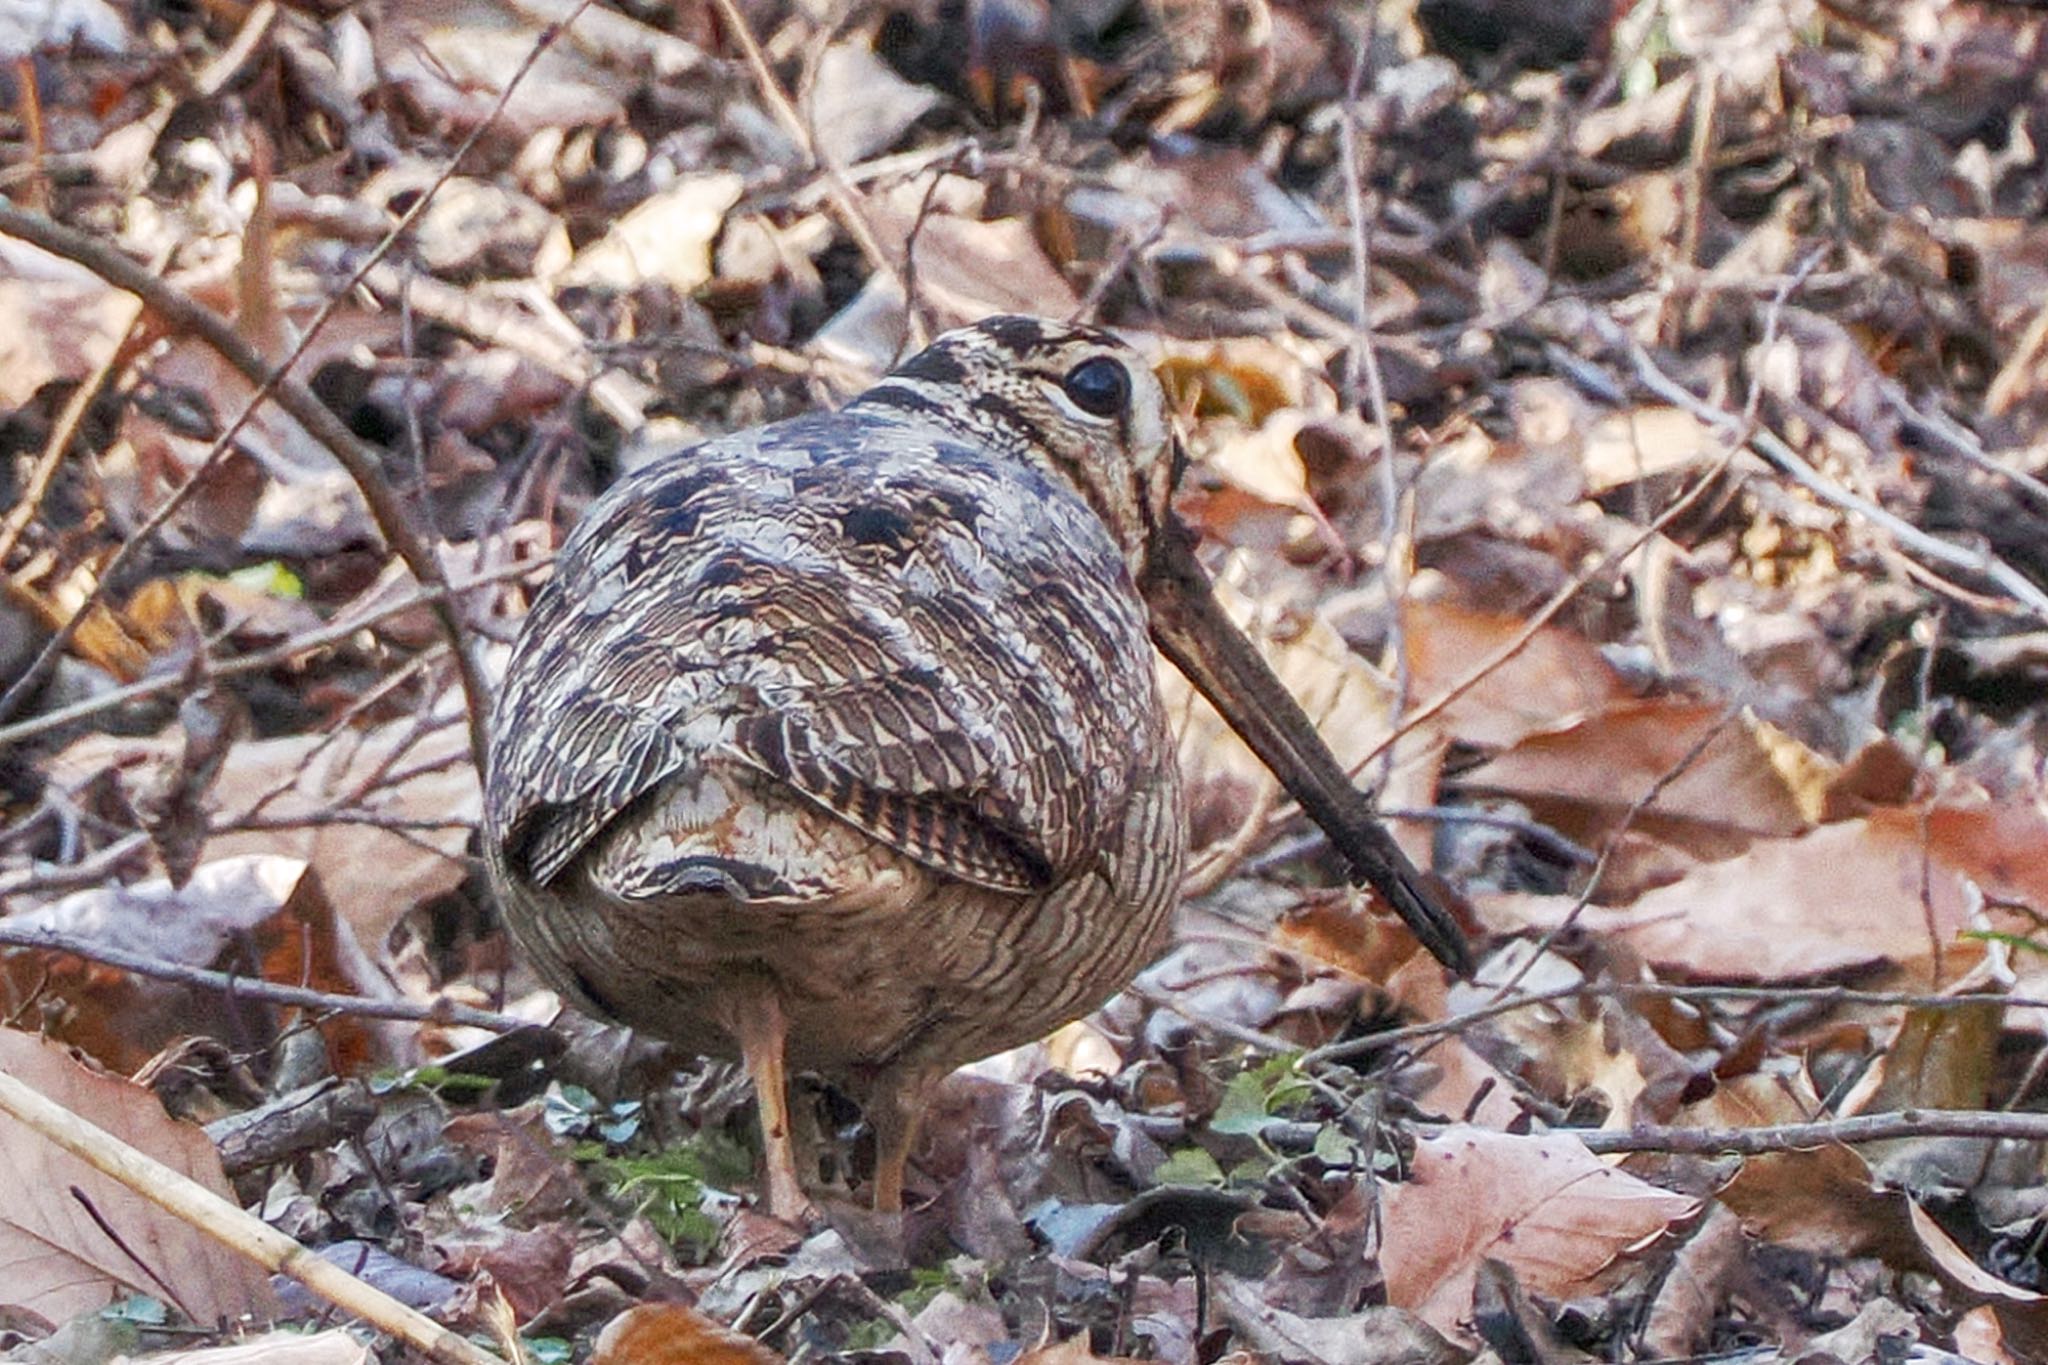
(1099,387)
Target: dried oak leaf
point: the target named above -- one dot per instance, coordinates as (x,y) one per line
(1556,1214)
(60,1219)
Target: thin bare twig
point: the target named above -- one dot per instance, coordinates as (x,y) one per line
(1627,822)
(273,657)
(1548,612)
(356,457)
(1816,996)
(1130,245)
(1789,462)
(250,988)
(65,427)
(1797,1137)
(130,550)
(192,1203)
(1363,367)
(845,207)
(113,1234)
(70,876)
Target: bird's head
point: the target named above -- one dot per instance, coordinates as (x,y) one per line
(1084,407)
(1075,401)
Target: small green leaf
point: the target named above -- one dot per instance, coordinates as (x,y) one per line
(1190,1166)
(139,1309)
(871,1335)
(270,578)
(1242,1110)
(1334,1147)
(2018,942)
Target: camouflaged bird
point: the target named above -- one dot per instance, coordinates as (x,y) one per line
(838,743)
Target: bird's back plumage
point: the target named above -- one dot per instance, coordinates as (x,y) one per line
(849,677)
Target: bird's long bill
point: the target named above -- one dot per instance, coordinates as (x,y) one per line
(1190,628)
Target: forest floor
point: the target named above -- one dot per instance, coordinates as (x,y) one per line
(1621,426)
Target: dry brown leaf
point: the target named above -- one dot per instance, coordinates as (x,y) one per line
(666,237)
(1583,779)
(1341,693)
(1247,378)
(1879,1327)
(1334,928)
(1625,447)
(1980,1337)
(1841,897)
(968,268)
(1820,1200)
(276,1348)
(371,876)
(278,492)
(1073,1351)
(1711,1265)
(857,105)
(1587,1054)
(1809,775)
(256,904)
(1937,1059)
(56,1259)
(1263,462)
(532,1180)
(450,59)
(1368,1336)
(1997,845)
(529,1267)
(670,1334)
(1465,1085)
(1881,773)
(57,321)
(1554,681)
(1545,1206)
(1955,1266)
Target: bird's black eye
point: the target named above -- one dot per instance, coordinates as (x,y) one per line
(1100,386)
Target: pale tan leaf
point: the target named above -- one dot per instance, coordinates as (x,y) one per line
(1887,890)
(1624,447)
(57,321)
(276,1348)
(1555,680)
(1545,1206)
(451,59)
(666,237)
(1583,779)
(55,1258)
(1981,1337)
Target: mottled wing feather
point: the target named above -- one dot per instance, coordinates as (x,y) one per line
(548,835)
(931,644)
(941,831)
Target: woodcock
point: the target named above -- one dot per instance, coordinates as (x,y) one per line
(838,743)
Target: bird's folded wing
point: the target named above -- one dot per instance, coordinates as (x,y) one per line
(985,731)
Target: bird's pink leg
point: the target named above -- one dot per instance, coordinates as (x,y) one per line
(763,1038)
